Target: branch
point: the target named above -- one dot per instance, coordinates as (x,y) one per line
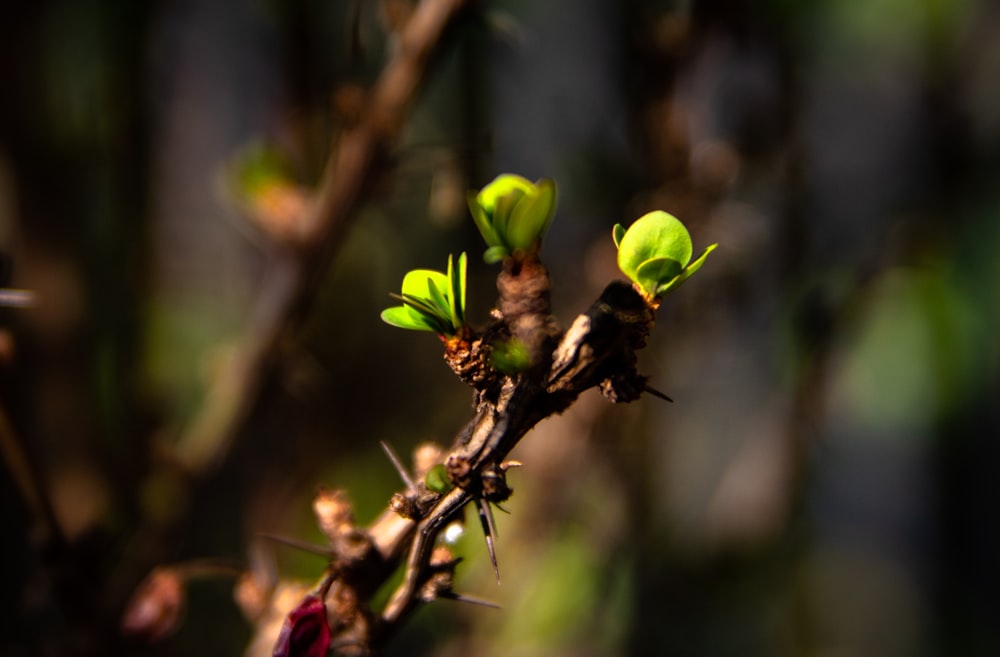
(357,152)
(597,351)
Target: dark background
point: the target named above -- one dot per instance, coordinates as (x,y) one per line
(825,482)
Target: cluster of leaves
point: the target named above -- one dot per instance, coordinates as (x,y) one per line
(512,213)
(432,300)
(655,253)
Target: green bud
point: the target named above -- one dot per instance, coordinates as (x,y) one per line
(655,252)
(512,214)
(432,300)
(437,479)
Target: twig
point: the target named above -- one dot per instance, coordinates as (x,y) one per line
(291,287)
(396,463)
(599,352)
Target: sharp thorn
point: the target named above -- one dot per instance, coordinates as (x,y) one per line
(501,508)
(489,529)
(403,474)
(493,558)
(657,393)
(458,597)
(486,510)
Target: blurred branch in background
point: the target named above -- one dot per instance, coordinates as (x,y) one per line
(357,153)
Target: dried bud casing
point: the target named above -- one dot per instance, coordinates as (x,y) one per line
(306,632)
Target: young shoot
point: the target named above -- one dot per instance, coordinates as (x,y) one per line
(655,253)
(512,214)
(432,300)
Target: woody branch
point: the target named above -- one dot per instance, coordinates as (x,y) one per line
(597,350)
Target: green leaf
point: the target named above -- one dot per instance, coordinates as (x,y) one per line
(405,317)
(700,260)
(430,313)
(547,191)
(458,289)
(437,479)
(501,186)
(439,298)
(432,300)
(503,213)
(654,235)
(419,304)
(531,216)
(512,214)
(417,282)
(617,233)
(483,221)
(655,252)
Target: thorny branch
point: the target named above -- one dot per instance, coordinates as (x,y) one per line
(597,350)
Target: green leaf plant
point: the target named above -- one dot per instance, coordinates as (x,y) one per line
(655,253)
(512,214)
(432,300)
(523,367)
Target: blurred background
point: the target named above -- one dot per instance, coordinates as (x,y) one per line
(824,483)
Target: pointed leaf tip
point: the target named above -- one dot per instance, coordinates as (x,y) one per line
(694,266)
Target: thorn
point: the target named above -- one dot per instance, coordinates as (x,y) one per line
(403,474)
(458,597)
(501,508)
(657,393)
(312,548)
(450,563)
(490,530)
(486,512)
